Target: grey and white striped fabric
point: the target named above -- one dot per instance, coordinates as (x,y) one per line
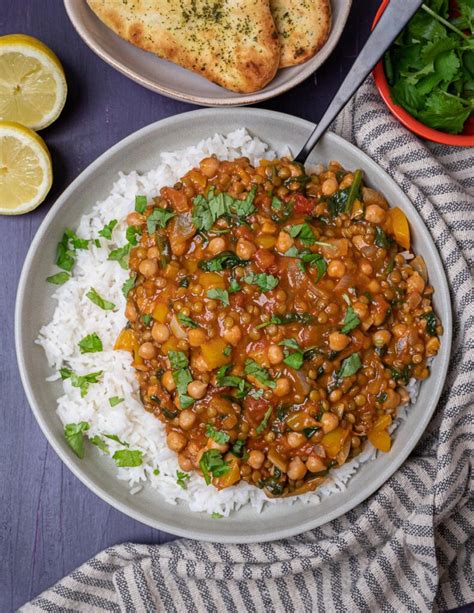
(409,547)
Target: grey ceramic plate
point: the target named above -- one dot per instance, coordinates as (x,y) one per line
(34,307)
(171,80)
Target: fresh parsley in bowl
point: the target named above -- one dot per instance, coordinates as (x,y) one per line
(427,76)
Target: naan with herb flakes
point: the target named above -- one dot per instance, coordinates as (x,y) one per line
(303,27)
(233,43)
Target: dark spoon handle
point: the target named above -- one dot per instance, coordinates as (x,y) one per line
(395,17)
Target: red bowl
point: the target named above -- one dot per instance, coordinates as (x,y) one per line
(466,139)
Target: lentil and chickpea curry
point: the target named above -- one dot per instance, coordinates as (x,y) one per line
(275,319)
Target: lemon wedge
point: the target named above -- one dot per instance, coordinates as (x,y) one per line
(26,173)
(33,87)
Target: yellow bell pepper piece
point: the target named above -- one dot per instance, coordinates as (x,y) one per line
(380,439)
(211,280)
(383,422)
(231,477)
(213,353)
(160,312)
(400,227)
(125,340)
(333,441)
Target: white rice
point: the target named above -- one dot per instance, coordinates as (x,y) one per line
(76,316)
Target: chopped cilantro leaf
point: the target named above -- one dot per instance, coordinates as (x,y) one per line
(219,294)
(74,434)
(212,463)
(128,458)
(99,301)
(216,435)
(261,374)
(90,344)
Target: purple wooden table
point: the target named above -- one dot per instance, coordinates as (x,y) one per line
(49,522)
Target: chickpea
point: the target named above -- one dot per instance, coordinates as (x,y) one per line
(197,389)
(176,441)
(314,464)
(187,419)
(275,354)
(336,268)
(168,381)
(283,387)
(216,245)
(135,219)
(131,312)
(392,400)
(284,242)
(148,268)
(415,283)
(296,469)
(335,395)
(209,167)
(329,422)
(233,335)
(432,346)
(256,459)
(147,351)
(375,214)
(381,338)
(160,332)
(329,186)
(366,267)
(295,439)
(245,249)
(338,341)
(373,286)
(185,463)
(361,309)
(153,253)
(196,337)
(399,330)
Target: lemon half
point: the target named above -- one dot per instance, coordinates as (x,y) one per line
(26,173)
(33,87)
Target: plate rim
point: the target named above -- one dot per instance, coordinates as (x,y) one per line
(127,509)
(236,100)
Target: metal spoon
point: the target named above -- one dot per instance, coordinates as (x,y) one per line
(395,17)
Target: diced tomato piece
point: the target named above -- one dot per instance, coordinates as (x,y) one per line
(302,205)
(264,259)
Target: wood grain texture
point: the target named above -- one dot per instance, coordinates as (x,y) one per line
(49,522)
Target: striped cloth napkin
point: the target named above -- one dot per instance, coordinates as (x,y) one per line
(407,548)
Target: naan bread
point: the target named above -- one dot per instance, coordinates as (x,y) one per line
(303,27)
(231,42)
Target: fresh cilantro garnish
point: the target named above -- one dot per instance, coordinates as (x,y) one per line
(263,424)
(216,435)
(59,278)
(212,463)
(351,321)
(265,282)
(158,219)
(140,204)
(401,375)
(90,344)
(350,366)
(182,376)
(156,472)
(287,318)
(115,400)
(219,294)
(74,434)
(120,255)
(234,286)
(81,381)
(76,242)
(186,321)
(227,351)
(312,260)
(238,448)
(431,322)
(304,232)
(207,211)
(128,458)
(131,234)
(99,301)
(100,443)
(66,250)
(295,360)
(106,231)
(147,319)
(129,284)
(223,261)
(261,374)
(114,437)
(276,203)
(216,515)
(225,380)
(181,479)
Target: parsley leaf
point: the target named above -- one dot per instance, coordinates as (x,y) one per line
(304,232)
(90,344)
(212,463)
(128,458)
(181,479)
(106,231)
(100,443)
(234,286)
(261,374)
(120,255)
(287,318)
(129,284)
(99,301)
(114,437)
(265,282)
(263,424)
(219,294)
(216,515)
(216,435)
(74,434)
(351,321)
(207,211)
(131,234)
(158,219)
(350,366)
(182,376)
(431,322)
